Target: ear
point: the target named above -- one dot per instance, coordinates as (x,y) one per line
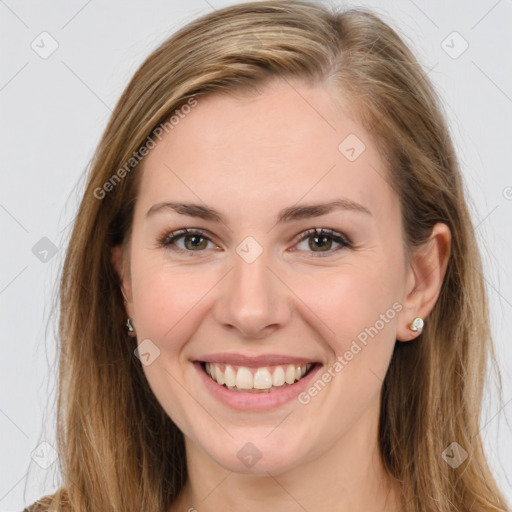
(425,276)
(121,263)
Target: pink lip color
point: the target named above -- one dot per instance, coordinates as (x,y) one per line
(254,361)
(255,401)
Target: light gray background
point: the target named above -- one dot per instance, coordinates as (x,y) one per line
(54,110)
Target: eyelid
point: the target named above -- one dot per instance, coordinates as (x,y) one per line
(322,231)
(168,238)
(339,238)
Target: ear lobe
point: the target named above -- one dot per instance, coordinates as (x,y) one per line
(424,279)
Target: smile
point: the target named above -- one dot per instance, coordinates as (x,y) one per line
(263,379)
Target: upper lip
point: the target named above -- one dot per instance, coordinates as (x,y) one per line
(254,361)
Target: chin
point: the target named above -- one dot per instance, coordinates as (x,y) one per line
(257,456)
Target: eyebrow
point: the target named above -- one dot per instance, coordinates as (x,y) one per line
(290,214)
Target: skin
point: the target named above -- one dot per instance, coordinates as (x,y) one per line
(249,156)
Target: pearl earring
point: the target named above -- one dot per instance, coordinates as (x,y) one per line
(417,325)
(130,328)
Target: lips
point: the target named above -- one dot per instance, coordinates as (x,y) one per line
(263,373)
(255,400)
(254,361)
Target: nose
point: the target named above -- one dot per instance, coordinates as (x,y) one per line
(253,301)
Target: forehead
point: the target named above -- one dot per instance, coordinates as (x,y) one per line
(287,143)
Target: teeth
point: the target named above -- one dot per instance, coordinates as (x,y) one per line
(261,379)
(290,375)
(278,377)
(244,378)
(229,376)
(219,376)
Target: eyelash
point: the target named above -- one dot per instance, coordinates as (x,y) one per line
(170,238)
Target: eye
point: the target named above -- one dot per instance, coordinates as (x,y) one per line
(322,239)
(194,240)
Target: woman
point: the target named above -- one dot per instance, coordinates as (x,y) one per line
(273,295)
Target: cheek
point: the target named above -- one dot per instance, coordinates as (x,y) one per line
(351,300)
(169,306)
(166,296)
(359,305)
(170,300)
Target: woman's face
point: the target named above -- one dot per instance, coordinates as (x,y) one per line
(256,289)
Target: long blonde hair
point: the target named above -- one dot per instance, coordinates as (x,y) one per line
(118,448)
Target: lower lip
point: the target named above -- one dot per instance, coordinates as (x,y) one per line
(245,401)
